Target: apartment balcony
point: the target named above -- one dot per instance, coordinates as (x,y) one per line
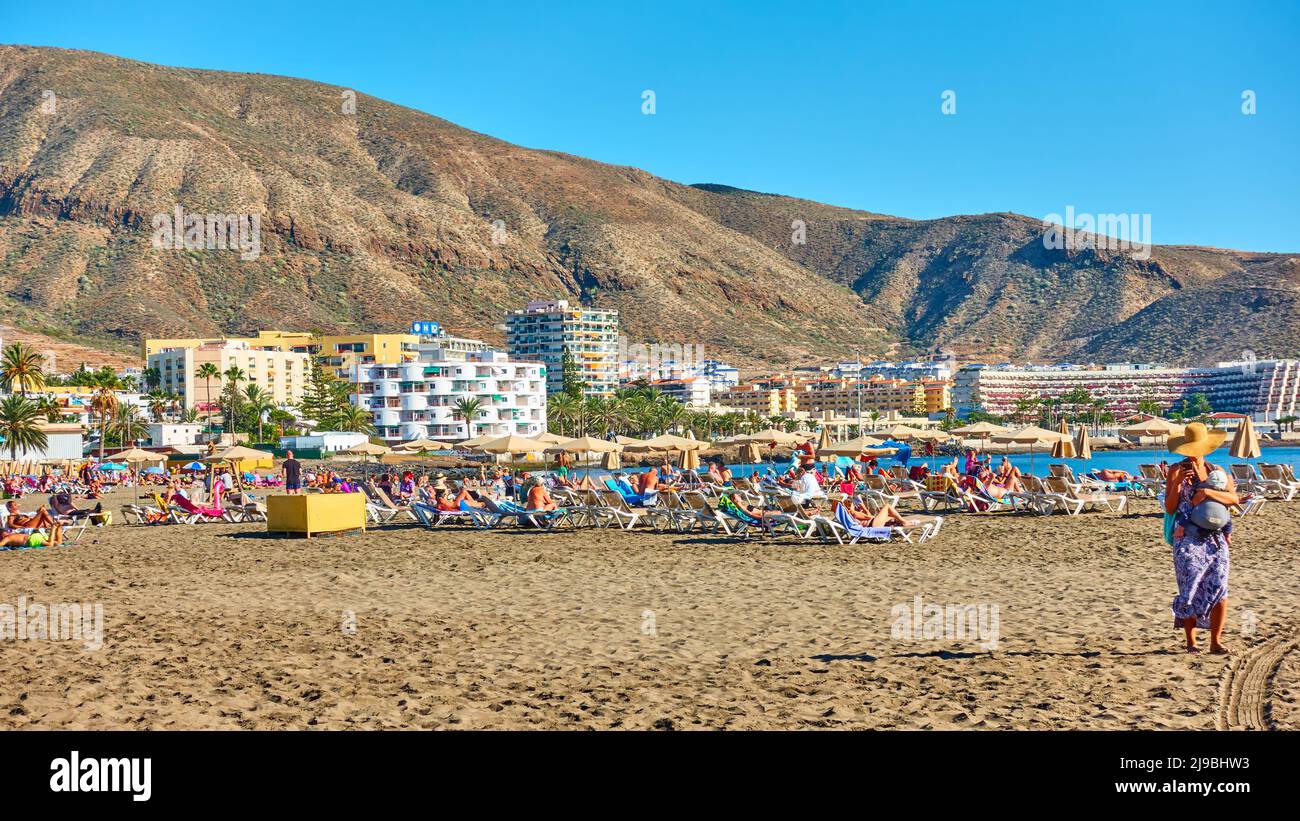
(415,401)
(388,417)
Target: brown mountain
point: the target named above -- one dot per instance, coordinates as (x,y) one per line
(373,218)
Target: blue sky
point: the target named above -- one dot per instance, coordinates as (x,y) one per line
(1111,107)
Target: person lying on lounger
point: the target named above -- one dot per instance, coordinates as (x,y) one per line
(61,504)
(1111,475)
(887,516)
(1008,476)
(27,524)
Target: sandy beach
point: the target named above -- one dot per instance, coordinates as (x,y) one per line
(221,626)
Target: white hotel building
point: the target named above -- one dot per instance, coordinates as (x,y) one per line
(415,400)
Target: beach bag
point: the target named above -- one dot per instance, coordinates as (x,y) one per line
(1170,522)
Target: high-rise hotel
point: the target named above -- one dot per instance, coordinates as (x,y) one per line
(543,330)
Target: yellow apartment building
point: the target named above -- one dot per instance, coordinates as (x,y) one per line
(282,374)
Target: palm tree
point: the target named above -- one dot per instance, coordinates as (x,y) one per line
(207,372)
(152,378)
(20,425)
(354,419)
(157,404)
(467,408)
(260,404)
(104,402)
(50,408)
(20,366)
(128,426)
(561,411)
(233,377)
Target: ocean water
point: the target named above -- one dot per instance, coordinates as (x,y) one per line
(1126,460)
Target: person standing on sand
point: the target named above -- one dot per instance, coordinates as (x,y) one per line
(1197,495)
(292,470)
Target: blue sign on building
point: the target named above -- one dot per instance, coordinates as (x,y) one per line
(426,328)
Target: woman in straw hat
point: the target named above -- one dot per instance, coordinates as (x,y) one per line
(1197,495)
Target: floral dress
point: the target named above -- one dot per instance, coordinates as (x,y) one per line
(1200,559)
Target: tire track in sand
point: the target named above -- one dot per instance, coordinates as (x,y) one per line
(1247,684)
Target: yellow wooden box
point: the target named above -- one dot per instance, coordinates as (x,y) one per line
(310,513)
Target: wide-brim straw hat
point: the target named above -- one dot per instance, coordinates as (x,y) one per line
(1197,440)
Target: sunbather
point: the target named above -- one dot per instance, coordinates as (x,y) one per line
(28,523)
(539,498)
(887,516)
(61,504)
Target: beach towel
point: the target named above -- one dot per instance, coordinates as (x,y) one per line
(857,529)
(729,507)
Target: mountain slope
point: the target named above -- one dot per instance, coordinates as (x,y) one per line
(375,218)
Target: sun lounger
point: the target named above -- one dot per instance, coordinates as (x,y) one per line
(1081,500)
(1287,488)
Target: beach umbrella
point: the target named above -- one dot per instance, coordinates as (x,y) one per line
(980,430)
(585,444)
(420,446)
(612,460)
(238,453)
(194,466)
(138,455)
(772,436)
(1029,435)
(367,449)
(1082,444)
(824,440)
(667,442)
(857,448)
(1245,443)
(627,441)
(475,442)
(550,438)
(1063,448)
(690,459)
(749,453)
(512,444)
(1154,427)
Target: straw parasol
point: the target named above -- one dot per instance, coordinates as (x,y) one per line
(772,436)
(824,440)
(1063,448)
(1154,427)
(420,445)
(1030,435)
(1245,443)
(238,453)
(585,444)
(749,453)
(667,442)
(857,448)
(980,430)
(476,441)
(902,433)
(611,460)
(1082,444)
(138,455)
(627,440)
(550,438)
(513,444)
